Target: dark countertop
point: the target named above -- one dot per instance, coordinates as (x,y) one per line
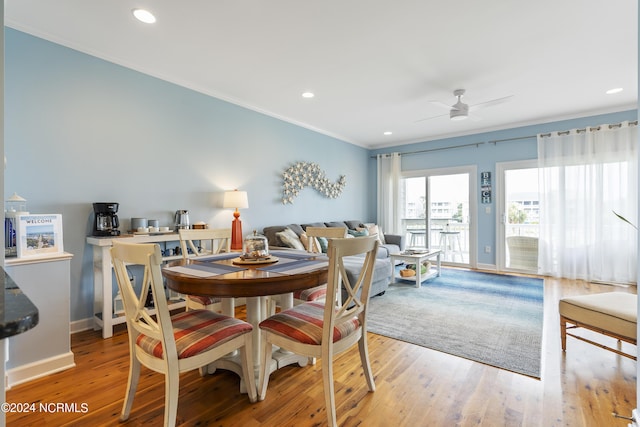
(17,313)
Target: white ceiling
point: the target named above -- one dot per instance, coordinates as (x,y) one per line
(374,65)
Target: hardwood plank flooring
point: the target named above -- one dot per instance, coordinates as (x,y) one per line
(415,386)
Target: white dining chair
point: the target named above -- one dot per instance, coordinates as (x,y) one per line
(172,344)
(317,293)
(199,242)
(321,330)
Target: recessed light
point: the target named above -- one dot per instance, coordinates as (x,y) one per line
(388,132)
(144,16)
(308,95)
(614,90)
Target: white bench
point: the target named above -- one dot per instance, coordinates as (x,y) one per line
(613,314)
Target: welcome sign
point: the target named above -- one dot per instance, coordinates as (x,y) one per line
(39,235)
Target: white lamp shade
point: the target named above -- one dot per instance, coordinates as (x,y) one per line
(235,200)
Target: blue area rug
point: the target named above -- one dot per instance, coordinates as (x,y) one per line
(489,318)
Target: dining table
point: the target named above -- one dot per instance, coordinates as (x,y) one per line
(229,276)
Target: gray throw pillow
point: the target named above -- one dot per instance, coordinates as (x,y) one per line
(290,239)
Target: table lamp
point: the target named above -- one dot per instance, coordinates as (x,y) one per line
(236,200)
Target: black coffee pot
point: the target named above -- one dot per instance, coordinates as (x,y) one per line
(106,221)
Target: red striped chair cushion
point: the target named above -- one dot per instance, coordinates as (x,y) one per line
(204,300)
(303,323)
(196,331)
(312,294)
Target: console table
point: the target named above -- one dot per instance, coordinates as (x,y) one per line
(103,283)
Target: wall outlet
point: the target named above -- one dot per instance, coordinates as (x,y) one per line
(487,249)
(118,305)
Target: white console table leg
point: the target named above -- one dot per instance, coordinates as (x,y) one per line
(102,279)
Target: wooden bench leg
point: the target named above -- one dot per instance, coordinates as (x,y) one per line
(576,325)
(563,333)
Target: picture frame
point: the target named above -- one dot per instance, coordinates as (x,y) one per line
(39,235)
(485,187)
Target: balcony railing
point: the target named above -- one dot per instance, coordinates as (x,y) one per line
(530,230)
(415,234)
(414,231)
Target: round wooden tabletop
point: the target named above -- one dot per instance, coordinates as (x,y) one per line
(249,282)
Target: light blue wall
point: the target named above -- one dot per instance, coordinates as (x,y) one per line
(485,157)
(81,130)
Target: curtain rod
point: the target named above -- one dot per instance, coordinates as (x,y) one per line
(476,144)
(565,132)
(595,128)
(495,141)
(518,138)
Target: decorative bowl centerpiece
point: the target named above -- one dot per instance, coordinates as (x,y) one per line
(255,250)
(255,246)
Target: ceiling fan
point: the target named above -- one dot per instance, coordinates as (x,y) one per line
(460,110)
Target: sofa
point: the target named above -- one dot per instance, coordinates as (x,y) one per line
(390,243)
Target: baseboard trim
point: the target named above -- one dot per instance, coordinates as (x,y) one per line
(81,325)
(41,368)
(488,267)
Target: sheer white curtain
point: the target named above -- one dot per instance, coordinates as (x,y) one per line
(388,192)
(585,175)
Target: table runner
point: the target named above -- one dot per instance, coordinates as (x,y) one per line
(295,267)
(205,270)
(216,257)
(289,262)
(295,254)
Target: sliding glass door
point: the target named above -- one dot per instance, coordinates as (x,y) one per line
(437,212)
(519,214)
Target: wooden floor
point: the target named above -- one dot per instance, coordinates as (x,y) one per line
(415,387)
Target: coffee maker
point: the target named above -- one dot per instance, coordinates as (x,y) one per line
(106,221)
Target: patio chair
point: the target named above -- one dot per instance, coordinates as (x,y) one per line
(523,252)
